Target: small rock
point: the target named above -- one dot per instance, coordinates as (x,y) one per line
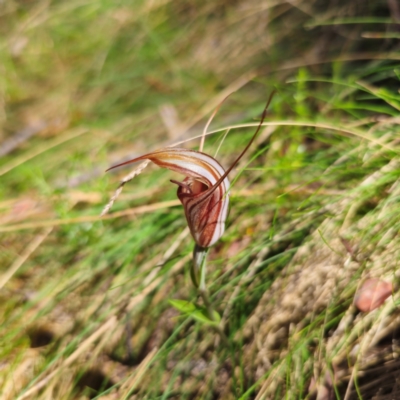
(372,294)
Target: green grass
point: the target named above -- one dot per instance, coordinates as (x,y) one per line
(84,301)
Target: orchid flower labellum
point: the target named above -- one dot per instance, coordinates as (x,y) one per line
(204,192)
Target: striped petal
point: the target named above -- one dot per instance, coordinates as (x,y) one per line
(203,193)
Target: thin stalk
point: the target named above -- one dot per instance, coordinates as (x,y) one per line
(198,274)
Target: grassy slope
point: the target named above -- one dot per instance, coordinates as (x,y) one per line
(84,302)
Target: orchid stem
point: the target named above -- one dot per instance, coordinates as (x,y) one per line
(211,314)
(198,275)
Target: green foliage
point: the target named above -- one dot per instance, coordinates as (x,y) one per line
(84,85)
(195,311)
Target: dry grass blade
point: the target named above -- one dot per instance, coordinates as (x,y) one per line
(32,246)
(20,137)
(94,218)
(151,283)
(41,149)
(90,218)
(315,213)
(203,136)
(130,385)
(378,94)
(341,130)
(124,181)
(251,271)
(108,325)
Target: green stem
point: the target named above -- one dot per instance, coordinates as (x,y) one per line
(203,292)
(198,275)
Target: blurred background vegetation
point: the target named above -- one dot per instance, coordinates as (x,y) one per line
(84,300)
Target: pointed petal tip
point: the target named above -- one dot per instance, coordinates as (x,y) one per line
(126,162)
